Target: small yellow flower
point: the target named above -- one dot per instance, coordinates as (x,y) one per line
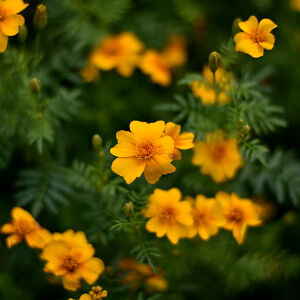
(175,51)
(96,293)
(218,157)
(144,149)
(168,215)
(89,73)
(238,213)
(256,37)
(295,5)
(207,216)
(120,51)
(205,90)
(181,140)
(10,20)
(24,226)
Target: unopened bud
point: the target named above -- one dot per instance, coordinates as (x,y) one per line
(40,18)
(22,36)
(97,142)
(235,26)
(245,130)
(128,209)
(35,86)
(39,116)
(240,123)
(214,60)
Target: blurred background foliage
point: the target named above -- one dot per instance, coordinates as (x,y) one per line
(49,167)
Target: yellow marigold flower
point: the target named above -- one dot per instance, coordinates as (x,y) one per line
(24,226)
(238,213)
(72,263)
(256,37)
(10,20)
(89,73)
(144,149)
(181,140)
(168,215)
(96,293)
(157,66)
(218,157)
(120,51)
(207,216)
(205,90)
(295,5)
(175,51)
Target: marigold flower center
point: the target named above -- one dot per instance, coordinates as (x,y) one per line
(199,219)
(146,149)
(70,263)
(162,65)
(257,36)
(236,215)
(217,152)
(168,215)
(2,14)
(23,227)
(112,49)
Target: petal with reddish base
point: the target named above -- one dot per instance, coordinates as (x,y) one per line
(13,239)
(55,251)
(10,26)
(91,269)
(249,25)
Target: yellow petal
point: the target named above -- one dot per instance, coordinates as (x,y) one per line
(156,166)
(239,233)
(185,141)
(71,281)
(172,130)
(249,25)
(85,297)
(91,269)
(176,154)
(38,238)
(129,168)
(3,41)
(82,253)
(125,69)
(199,154)
(126,136)
(268,42)
(249,47)
(55,251)
(145,130)
(19,213)
(8,228)
(13,239)
(124,150)
(14,6)
(165,145)
(155,225)
(266,25)
(10,26)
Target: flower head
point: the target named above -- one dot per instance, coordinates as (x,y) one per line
(97,293)
(175,51)
(207,216)
(168,215)
(144,149)
(89,73)
(120,51)
(295,5)
(181,140)
(256,36)
(24,226)
(218,157)
(238,213)
(10,20)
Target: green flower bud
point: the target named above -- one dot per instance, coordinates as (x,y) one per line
(40,19)
(97,142)
(235,26)
(214,60)
(128,209)
(35,86)
(22,36)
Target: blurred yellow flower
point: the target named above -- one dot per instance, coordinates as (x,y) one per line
(120,51)
(205,89)
(144,149)
(24,226)
(181,140)
(10,20)
(96,293)
(175,51)
(295,5)
(238,213)
(72,262)
(218,157)
(256,37)
(207,216)
(89,73)
(168,215)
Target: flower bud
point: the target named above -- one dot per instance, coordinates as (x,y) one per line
(35,86)
(235,26)
(40,18)
(97,142)
(214,60)
(245,130)
(22,36)
(128,209)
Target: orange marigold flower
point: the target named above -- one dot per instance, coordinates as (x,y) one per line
(256,36)
(24,226)
(238,213)
(168,215)
(207,216)
(218,157)
(181,140)
(175,51)
(295,5)
(72,263)
(205,89)
(144,149)
(10,20)
(120,51)
(96,293)
(89,73)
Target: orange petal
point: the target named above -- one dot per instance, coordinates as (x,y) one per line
(185,141)
(145,130)
(266,25)
(126,136)
(3,41)
(129,167)
(19,213)
(172,130)
(8,228)
(155,225)
(38,238)
(268,42)
(13,239)
(10,26)
(82,253)
(14,6)
(165,145)
(55,251)
(71,281)
(239,233)
(124,150)
(176,154)
(91,269)
(249,25)
(249,47)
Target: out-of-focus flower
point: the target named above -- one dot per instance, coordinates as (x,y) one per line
(40,19)
(24,226)
(175,51)
(207,216)
(120,51)
(144,149)
(97,293)
(266,209)
(217,156)
(205,89)
(89,73)
(295,5)
(10,20)
(168,215)
(256,36)
(181,140)
(238,213)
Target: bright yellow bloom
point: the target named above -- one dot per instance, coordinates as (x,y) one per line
(238,213)
(207,216)
(181,140)
(144,149)
(72,263)
(256,37)
(175,51)
(24,226)
(168,215)
(295,5)
(10,20)
(205,90)
(218,157)
(120,51)
(96,293)
(89,73)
